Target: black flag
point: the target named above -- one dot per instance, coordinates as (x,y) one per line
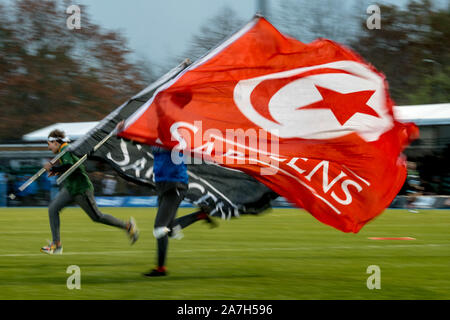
(219,191)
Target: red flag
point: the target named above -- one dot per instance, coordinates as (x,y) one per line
(314,122)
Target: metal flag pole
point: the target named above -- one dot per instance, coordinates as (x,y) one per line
(83,159)
(154,85)
(25,185)
(262,7)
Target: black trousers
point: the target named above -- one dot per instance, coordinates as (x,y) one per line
(86,201)
(169,199)
(168,203)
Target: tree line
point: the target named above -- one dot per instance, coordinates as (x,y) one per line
(49,73)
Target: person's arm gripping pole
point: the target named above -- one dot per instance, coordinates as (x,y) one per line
(83,159)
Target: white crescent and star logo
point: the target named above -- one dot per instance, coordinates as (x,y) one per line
(319,102)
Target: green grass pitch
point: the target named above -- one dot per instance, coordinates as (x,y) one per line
(283,254)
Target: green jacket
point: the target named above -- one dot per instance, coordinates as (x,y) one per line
(78,182)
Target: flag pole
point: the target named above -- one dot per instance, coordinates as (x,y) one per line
(25,185)
(155,84)
(84,158)
(262,7)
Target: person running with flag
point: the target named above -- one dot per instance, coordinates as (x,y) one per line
(171,181)
(172,184)
(77,189)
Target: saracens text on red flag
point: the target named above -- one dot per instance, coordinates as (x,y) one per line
(313,122)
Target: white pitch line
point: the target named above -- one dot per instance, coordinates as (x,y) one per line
(72,253)
(75,231)
(228,250)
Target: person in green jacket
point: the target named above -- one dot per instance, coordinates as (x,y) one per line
(77,189)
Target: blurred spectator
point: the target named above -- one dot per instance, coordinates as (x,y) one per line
(414,187)
(109,185)
(3,189)
(27,196)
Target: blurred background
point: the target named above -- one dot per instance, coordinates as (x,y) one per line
(52,76)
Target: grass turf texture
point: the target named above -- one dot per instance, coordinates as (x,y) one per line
(283,254)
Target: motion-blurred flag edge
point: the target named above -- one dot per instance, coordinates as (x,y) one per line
(340,145)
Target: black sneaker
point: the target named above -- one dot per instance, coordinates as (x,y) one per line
(157,272)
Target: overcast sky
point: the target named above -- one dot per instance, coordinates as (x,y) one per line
(159,29)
